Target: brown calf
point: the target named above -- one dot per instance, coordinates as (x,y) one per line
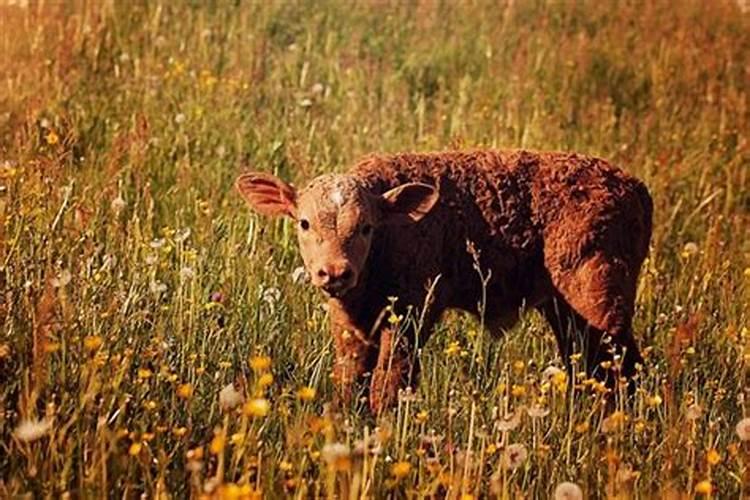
(563,233)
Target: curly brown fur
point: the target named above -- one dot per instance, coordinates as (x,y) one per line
(563,233)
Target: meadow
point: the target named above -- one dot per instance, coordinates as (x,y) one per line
(157,339)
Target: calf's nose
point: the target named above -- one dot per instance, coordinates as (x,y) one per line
(334,276)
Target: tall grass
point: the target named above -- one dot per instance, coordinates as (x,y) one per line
(135,286)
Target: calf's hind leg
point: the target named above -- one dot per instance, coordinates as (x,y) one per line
(597,301)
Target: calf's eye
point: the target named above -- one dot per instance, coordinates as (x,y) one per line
(304,224)
(366,229)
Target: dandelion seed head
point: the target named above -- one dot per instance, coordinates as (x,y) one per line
(514,456)
(230,398)
(568,491)
(31,430)
(743,429)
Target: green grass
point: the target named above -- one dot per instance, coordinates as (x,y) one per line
(122,128)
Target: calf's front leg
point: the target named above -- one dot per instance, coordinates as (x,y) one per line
(397,367)
(354,357)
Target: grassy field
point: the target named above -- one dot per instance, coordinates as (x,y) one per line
(135,285)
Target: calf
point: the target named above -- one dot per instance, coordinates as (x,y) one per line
(563,233)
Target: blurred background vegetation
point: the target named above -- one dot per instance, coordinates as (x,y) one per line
(135,286)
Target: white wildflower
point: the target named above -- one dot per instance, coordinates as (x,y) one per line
(334,452)
(514,455)
(118,204)
(694,412)
(299,275)
(538,411)
(182,235)
(743,429)
(187,273)
(271,295)
(62,279)
(568,491)
(230,398)
(179,118)
(31,430)
(509,422)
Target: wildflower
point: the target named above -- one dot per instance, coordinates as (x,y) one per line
(135,449)
(31,430)
(743,429)
(216,297)
(582,427)
(704,487)
(317,88)
(260,363)
(518,366)
(421,416)
(4,351)
(179,118)
(182,235)
(654,400)
(538,411)
(271,295)
(452,349)
(187,273)
(568,491)
(509,422)
(52,138)
(237,438)
(118,205)
(92,342)
(62,279)
(372,447)
(230,398)
(217,444)
(306,393)
(265,380)
(400,469)
(694,412)
(689,249)
(180,432)
(258,407)
(299,275)
(518,390)
(185,391)
(614,422)
(514,456)
(713,457)
(336,455)
(144,373)
(195,454)
(305,103)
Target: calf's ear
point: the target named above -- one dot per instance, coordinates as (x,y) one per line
(407,203)
(267,194)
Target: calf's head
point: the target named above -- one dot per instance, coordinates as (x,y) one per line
(336,217)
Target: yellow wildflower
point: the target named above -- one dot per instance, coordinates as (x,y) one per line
(713,457)
(265,380)
(92,342)
(217,444)
(704,487)
(144,373)
(135,449)
(260,363)
(452,349)
(306,393)
(52,138)
(518,390)
(400,469)
(185,391)
(258,407)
